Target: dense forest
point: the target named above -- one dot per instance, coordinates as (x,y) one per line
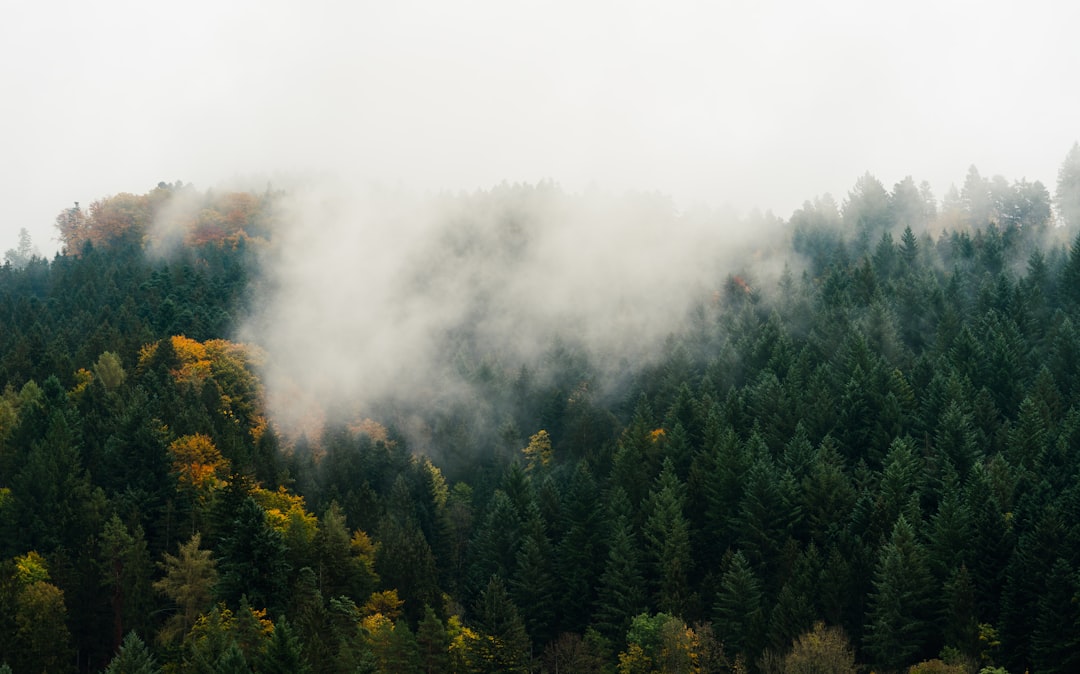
(867,460)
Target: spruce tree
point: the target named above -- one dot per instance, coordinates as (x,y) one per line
(133,657)
(900,611)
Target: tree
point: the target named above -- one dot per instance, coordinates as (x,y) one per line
(126,569)
(821,650)
(43,642)
(620,596)
(571,654)
(899,614)
(502,644)
(1055,646)
(20,257)
(189,582)
(534,588)
(538,453)
(133,657)
(110,370)
(284,652)
(739,612)
(253,560)
(433,644)
(667,536)
(1067,195)
(866,210)
(658,643)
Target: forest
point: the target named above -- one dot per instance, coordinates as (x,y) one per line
(864,461)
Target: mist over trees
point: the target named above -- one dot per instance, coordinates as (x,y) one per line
(561,442)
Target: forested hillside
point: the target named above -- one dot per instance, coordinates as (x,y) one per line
(867,459)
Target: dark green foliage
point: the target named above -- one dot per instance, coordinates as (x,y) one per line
(885,439)
(133,657)
(739,616)
(252,559)
(900,611)
(503,645)
(432,643)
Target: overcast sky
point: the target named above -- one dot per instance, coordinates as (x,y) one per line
(752,104)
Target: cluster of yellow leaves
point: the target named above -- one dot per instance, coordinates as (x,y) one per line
(197,462)
(462,640)
(231,365)
(657,435)
(83,379)
(538,452)
(285,511)
(31,568)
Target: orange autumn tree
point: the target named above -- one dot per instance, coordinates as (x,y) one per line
(170,210)
(197,463)
(230,365)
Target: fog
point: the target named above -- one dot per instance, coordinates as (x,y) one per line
(751,104)
(379,117)
(381,294)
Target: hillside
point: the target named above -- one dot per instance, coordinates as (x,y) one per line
(850,438)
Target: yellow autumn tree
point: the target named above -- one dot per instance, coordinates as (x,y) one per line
(539,450)
(197,462)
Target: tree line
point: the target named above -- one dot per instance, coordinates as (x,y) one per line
(869,460)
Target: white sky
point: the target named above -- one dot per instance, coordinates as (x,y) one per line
(754,104)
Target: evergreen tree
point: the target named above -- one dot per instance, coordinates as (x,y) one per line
(189,581)
(621,594)
(667,536)
(1067,194)
(1055,646)
(899,619)
(432,644)
(133,657)
(253,560)
(739,614)
(502,644)
(533,588)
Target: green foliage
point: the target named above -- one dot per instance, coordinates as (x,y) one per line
(502,644)
(882,439)
(900,604)
(133,657)
(189,580)
(822,649)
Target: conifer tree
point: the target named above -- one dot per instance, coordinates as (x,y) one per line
(133,657)
(667,537)
(432,644)
(502,644)
(900,610)
(284,652)
(620,596)
(739,614)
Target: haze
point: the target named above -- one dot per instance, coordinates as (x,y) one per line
(752,104)
(400,129)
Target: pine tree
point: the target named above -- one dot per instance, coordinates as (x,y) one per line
(253,560)
(739,613)
(284,652)
(620,596)
(502,644)
(667,536)
(133,657)
(900,611)
(1067,195)
(534,588)
(433,644)
(189,582)
(1055,646)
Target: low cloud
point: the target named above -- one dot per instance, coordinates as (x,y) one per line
(374,294)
